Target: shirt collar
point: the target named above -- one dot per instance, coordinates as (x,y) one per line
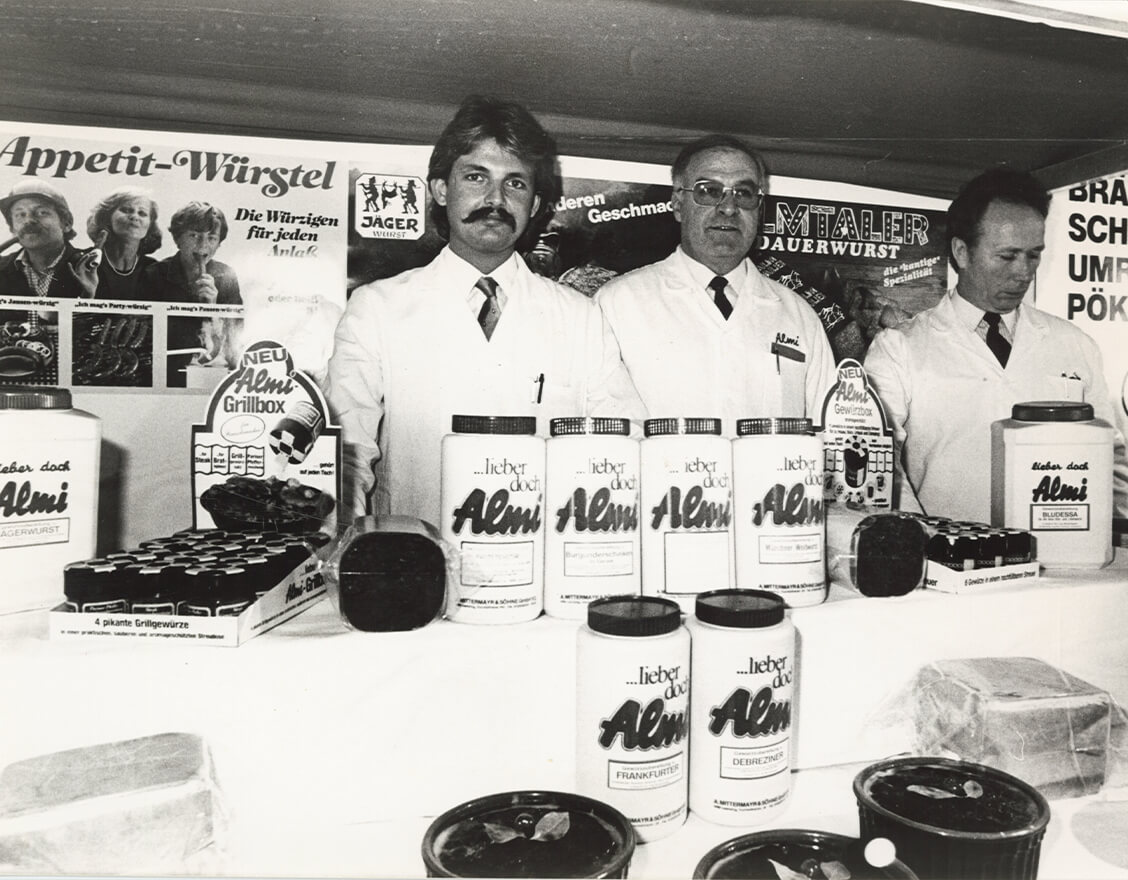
(969,316)
(464,276)
(702,274)
(23,260)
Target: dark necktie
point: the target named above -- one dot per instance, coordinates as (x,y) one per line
(995,339)
(491,308)
(718,284)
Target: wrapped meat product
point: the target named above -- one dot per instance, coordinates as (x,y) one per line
(875,554)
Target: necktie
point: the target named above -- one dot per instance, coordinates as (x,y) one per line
(718,284)
(491,308)
(995,339)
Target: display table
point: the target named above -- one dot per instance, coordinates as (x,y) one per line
(335,748)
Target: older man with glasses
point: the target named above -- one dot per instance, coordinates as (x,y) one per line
(702,332)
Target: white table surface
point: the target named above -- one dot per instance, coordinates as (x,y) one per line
(334,749)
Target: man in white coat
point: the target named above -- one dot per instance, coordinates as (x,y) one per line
(952,370)
(474,332)
(702,332)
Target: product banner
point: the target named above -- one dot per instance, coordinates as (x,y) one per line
(163,256)
(1084,273)
(860,265)
(168,255)
(599,227)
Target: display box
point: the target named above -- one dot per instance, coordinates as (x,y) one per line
(1022,715)
(300,589)
(938,576)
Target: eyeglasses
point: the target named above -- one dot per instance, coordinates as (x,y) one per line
(710,193)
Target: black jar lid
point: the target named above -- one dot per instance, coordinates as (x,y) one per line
(174,576)
(93,579)
(316,538)
(588,425)
(1019,543)
(752,427)
(942,547)
(633,615)
(662,427)
(746,609)
(1052,411)
(260,572)
(225,583)
(461,424)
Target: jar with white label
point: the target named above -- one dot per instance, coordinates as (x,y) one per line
(779,528)
(1051,474)
(740,722)
(49,462)
(632,711)
(591,541)
(686,509)
(492,502)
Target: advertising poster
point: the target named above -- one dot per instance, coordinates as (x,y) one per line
(160,257)
(266,455)
(609,218)
(861,265)
(1084,273)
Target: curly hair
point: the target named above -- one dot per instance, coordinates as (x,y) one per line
(101,214)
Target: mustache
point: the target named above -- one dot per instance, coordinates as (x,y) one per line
(488,213)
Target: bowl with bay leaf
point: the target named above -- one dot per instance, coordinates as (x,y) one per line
(800,854)
(542,834)
(952,818)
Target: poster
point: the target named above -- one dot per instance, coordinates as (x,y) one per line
(861,265)
(1084,273)
(258,252)
(609,217)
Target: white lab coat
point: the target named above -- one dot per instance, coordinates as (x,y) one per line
(409,354)
(942,388)
(686,360)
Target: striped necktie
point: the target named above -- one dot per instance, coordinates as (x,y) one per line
(491,309)
(718,284)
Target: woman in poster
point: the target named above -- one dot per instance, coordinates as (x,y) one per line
(193,274)
(124,225)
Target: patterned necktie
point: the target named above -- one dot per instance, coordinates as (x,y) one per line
(995,339)
(718,284)
(491,308)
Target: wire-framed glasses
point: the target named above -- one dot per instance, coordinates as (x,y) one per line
(710,193)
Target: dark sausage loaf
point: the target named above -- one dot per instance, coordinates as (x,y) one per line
(249,504)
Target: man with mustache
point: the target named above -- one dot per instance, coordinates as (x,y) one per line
(47,264)
(702,332)
(952,370)
(473,332)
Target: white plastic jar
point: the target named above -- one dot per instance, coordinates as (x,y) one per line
(686,508)
(779,526)
(1051,474)
(632,711)
(492,499)
(592,542)
(740,721)
(49,467)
